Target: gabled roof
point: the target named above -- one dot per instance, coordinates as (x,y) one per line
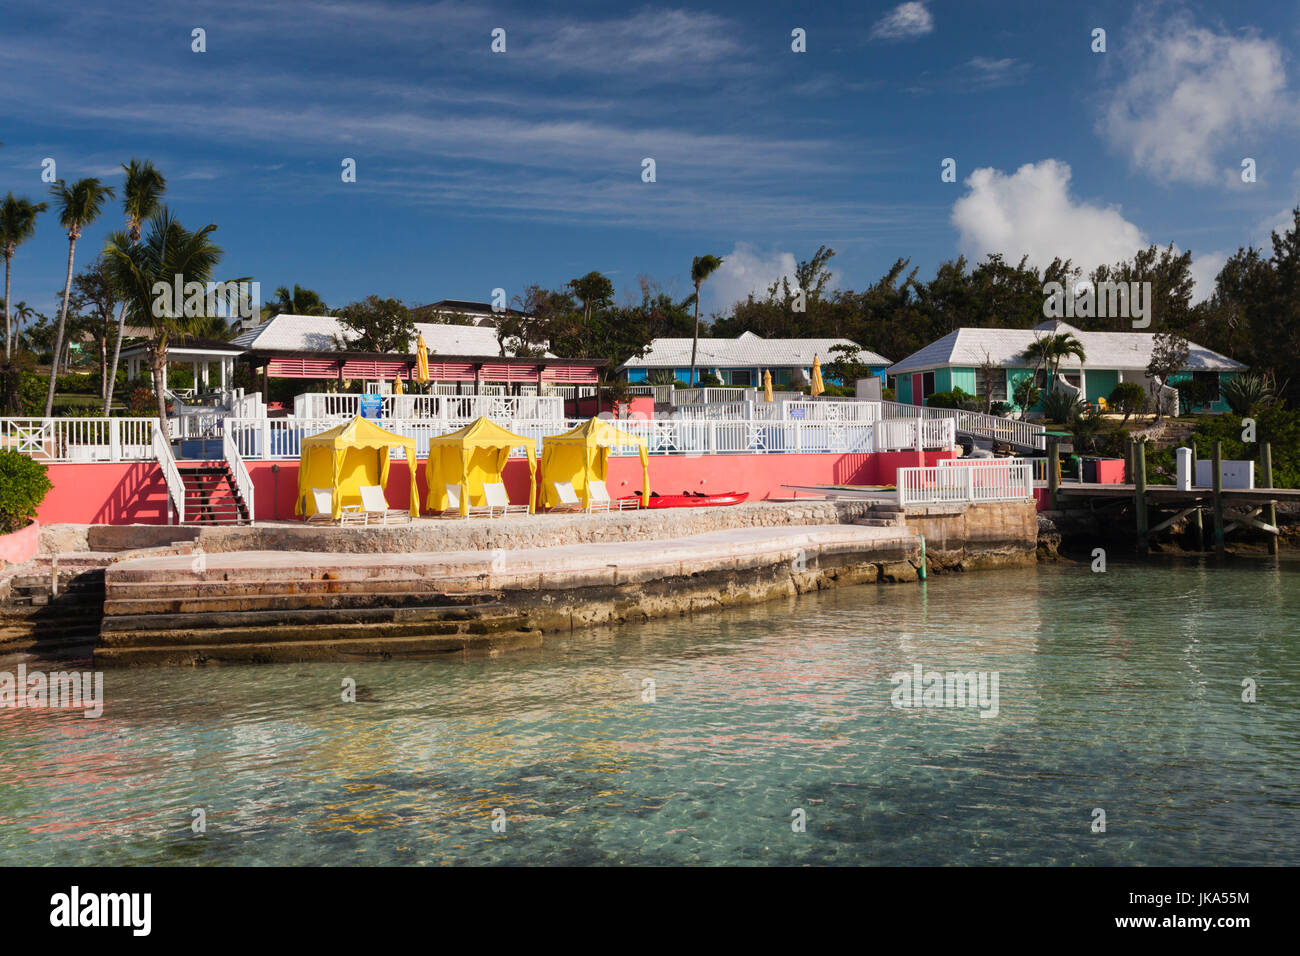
(747,350)
(970,348)
(317,333)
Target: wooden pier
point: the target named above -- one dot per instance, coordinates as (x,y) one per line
(1262,502)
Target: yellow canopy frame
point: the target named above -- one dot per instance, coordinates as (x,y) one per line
(582,454)
(470,456)
(347,457)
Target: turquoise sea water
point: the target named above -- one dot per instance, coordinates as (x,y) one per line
(1119,691)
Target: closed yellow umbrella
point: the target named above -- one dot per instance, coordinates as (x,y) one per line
(421,361)
(817,386)
(397,385)
(767,385)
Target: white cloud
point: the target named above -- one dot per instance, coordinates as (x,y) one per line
(1205,269)
(905,22)
(1192,99)
(679,40)
(745,270)
(1031,213)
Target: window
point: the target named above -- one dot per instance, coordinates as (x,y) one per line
(999,384)
(1209,383)
(741,378)
(927,384)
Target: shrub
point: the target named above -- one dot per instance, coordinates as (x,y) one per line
(955,399)
(1002,409)
(1129,398)
(1193,393)
(23,486)
(141,401)
(1248,390)
(888,395)
(1063,408)
(1026,394)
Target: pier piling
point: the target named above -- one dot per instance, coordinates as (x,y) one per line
(1216,484)
(1140,495)
(1270,509)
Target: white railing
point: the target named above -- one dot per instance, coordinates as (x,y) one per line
(1010,430)
(847,410)
(243,480)
(446,407)
(79,439)
(705,395)
(281,438)
(162,451)
(965,482)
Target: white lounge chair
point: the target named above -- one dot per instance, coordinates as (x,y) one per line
(375,507)
(494,493)
(453,505)
(601,501)
(568,497)
(323,498)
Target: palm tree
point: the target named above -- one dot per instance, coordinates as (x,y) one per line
(701,268)
(17,224)
(79,206)
(298,302)
(140,195)
(1051,350)
(168,250)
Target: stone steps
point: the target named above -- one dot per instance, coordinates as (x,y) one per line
(335,648)
(302,617)
(167,601)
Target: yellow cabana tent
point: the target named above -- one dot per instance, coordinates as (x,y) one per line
(344,458)
(582,453)
(470,456)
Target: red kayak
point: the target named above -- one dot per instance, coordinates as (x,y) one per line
(687,500)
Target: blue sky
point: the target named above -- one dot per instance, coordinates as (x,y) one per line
(478,170)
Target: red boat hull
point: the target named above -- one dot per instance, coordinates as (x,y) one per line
(692,501)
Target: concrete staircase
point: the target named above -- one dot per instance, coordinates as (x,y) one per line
(884,515)
(51,614)
(211,496)
(172,619)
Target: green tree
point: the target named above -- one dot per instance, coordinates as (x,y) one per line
(1129,398)
(17,225)
(701,268)
(1169,353)
(96,302)
(298,302)
(141,195)
(167,250)
(594,291)
(376,325)
(1049,351)
(78,206)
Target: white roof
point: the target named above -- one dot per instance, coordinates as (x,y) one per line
(745,351)
(968,348)
(317,333)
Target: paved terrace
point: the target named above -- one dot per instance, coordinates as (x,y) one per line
(430,535)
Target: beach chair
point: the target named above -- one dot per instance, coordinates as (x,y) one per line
(568,497)
(453,505)
(494,493)
(324,501)
(601,501)
(375,507)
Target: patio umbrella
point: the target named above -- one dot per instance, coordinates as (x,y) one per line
(817,386)
(397,385)
(421,361)
(767,385)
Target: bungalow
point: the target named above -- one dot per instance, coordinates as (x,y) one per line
(955,361)
(741,361)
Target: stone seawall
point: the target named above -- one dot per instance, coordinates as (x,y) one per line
(253,607)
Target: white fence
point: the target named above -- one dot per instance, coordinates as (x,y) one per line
(281,438)
(1010,430)
(965,482)
(80,439)
(447,407)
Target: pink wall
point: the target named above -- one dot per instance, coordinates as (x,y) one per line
(135,494)
(20,546)
(131,493)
